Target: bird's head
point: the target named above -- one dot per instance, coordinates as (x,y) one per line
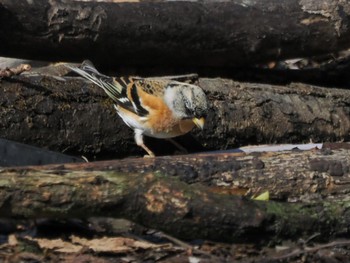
(187,101)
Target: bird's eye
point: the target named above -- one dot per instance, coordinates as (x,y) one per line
(187,104)
(199,113)
(188,109)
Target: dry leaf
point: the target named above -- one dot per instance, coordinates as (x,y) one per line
(12,240)
(114,244)
(57,244)
(105,244)
(265,196)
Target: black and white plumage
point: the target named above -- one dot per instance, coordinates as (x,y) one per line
(155,107)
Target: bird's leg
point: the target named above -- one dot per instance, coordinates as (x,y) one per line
(178,146)
(139,142)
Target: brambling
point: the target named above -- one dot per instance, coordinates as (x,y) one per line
(154,107)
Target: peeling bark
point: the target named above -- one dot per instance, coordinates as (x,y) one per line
(173,33)
(8,72)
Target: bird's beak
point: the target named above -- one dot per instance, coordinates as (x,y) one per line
(199,122)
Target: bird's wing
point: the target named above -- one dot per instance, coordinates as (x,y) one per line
(124,91)
(152,86)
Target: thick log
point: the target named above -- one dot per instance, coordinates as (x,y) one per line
(152,199)
(73,116)
(296,176)
(173,33)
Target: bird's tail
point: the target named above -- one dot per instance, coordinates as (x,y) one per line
(89,67)
(88,71)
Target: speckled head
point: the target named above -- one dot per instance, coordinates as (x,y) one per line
(187,101)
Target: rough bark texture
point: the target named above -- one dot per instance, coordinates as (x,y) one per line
(303,176)
(70,115)
(151,198)
(173,33)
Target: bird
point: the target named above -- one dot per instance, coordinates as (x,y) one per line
(154,107)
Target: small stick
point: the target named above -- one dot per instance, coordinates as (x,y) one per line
(298,252)
(8,72)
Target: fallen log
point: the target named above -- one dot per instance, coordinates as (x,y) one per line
(295,176)
(152,198)
(67,114)
(173,33)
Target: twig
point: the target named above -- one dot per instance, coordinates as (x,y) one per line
(191,250)
(176,241)
(8,72)
(304,250)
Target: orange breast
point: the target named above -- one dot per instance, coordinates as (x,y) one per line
(161,119)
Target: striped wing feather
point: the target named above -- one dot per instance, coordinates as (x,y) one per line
(123,91)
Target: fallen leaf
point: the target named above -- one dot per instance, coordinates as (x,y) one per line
(12,240)
(114,244)
(57,245)
(265,196)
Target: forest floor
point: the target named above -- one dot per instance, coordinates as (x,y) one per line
(115,240)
